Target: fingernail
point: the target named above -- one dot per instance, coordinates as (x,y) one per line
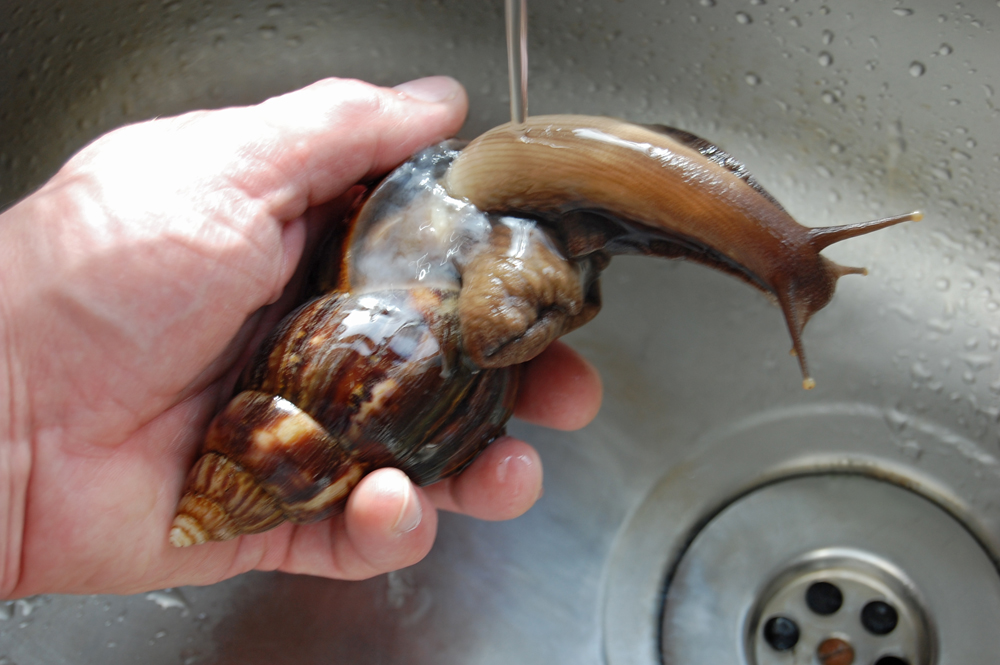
(409,514)
(431,89)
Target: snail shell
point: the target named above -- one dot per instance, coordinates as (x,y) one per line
(325,402)
(459,266)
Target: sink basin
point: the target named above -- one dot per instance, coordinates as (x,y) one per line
(845,112)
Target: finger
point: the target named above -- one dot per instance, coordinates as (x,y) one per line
(559,389)
(336,132)
(389,524)
(501,484)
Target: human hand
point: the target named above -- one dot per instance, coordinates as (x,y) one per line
(135,284)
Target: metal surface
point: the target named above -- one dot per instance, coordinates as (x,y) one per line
(844,111)
(516,15)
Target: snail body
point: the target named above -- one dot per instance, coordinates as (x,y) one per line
(460,266)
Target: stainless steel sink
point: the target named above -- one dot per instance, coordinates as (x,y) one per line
(707,455)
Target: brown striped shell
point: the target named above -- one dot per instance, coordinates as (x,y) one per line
(458,267)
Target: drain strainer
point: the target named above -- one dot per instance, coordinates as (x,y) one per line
(835,570)
(844,606)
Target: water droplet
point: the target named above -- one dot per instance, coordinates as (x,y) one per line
(904,312)
(896,420)
(917,69)
(945,49)
(911,449)
(920,371)
(825,59)
(836,148)
(758,2)
(795,22)
(977,362)
(942,284)
(828,37)
(28,605)
(744,18)
(939,326)
(954,102)
(902,11)
(829,97)
(971,143)
(958,154)
(941,173)
(160,634)
(267,31)
(168,599)
(275,9)
(752,79)
(707,3)
(112,645)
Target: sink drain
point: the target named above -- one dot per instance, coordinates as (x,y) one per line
(812,536)
(830,569)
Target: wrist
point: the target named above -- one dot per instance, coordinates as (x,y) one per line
(15,439)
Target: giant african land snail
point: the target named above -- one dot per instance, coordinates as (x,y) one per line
(460,266)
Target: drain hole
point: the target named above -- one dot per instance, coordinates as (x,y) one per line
(879,618)
(890,660)
(824,598)
(782,633)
